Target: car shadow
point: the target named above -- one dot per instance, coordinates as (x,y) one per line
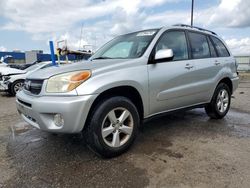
(6,94)
(157,130)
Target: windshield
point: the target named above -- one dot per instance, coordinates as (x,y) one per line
(127,46)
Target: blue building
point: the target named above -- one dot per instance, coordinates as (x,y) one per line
(17,57)
(37,55)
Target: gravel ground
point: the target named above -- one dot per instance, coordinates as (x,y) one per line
(185,149)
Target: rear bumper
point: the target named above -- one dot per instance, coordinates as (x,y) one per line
(235,82)
(40,111)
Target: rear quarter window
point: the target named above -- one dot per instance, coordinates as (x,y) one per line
(220,47)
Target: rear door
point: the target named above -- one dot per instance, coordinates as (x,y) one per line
(206,62)
(224,58)
(171,82)
(210,55)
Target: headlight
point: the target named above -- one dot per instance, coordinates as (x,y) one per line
(6,78)
(66,82)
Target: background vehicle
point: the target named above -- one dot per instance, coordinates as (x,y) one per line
(3,64)
(4,60)
(131,78)
(12,79)
(22,66)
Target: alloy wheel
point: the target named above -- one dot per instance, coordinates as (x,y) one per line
(18,86)
(222,101)
(117,127)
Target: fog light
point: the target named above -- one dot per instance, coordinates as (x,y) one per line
(58,120)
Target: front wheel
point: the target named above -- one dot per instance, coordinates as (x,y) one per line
(220,103)
(113,127)
(16,86)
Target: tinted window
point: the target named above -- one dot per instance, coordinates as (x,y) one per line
(199,45)
(221,49)
(176,41)
(212,50)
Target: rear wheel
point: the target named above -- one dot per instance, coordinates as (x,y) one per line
(113,127)
(16,86)
(220,103)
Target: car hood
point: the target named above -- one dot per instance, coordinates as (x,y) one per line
(3,64)
(83,65)
(11,71)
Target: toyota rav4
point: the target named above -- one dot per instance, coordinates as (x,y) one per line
(131,78)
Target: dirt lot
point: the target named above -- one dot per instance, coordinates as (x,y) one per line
(185,149)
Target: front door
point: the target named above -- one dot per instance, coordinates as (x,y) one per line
(171,83)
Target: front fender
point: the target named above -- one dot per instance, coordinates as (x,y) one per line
(136,77)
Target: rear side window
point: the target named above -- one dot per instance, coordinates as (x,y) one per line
(199,45)
(175,40)
(212,50)
(220,47)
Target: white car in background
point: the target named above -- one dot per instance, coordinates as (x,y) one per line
(12,80)
(3,64)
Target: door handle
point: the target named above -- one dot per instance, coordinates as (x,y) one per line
(188,66)
(217,63)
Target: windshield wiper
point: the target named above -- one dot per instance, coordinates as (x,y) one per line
(102,57)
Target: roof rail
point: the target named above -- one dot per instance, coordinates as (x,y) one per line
(201,29)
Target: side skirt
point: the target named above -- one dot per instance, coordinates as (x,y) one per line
(161,114)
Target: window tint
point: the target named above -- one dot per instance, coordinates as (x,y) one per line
(221,49)
(212,50)
(176,41)
(199,45)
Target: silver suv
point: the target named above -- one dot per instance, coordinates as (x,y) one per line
(131,78)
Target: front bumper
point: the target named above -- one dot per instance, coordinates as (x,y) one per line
(4,86)
(39,111)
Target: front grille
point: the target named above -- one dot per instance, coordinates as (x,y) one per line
(33,86)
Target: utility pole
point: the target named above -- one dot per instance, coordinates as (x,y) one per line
(192,13)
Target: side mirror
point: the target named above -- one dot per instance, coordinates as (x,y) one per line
(164,55)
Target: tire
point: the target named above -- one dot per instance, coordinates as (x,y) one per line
(14,87)
(107,136)
(220,103)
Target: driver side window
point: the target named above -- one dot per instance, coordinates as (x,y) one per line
(175,40)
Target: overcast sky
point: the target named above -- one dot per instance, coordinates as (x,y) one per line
(30,24)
